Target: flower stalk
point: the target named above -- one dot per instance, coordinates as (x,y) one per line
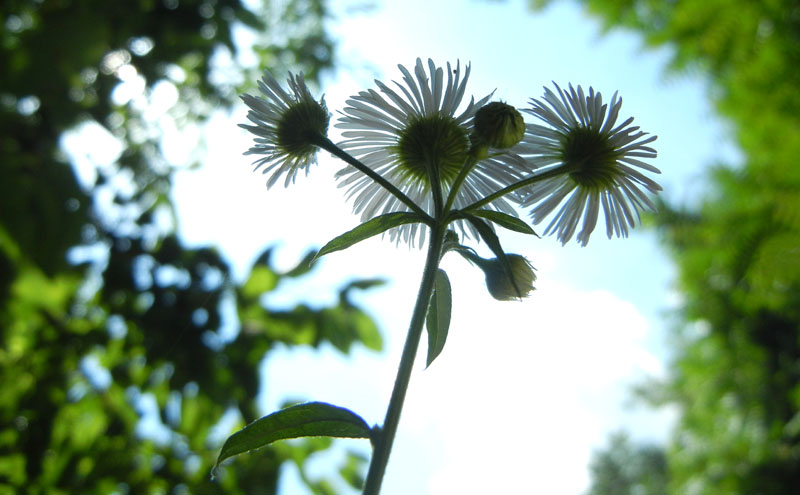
(465,170)
(383,446)
(547,174)
(328,145)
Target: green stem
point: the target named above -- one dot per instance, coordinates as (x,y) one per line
(329,146)
(465,170)
(436,190)
(547,174)
(383,446)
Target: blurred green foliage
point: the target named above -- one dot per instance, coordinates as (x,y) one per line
(116,365)
(736,373)
(625,468)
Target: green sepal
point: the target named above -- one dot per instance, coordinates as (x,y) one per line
(313,419)
(491,240)
(375,226)
(505,220)
(438,319)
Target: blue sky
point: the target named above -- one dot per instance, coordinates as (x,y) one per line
(523,391)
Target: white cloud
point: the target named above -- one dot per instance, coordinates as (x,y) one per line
(522,391)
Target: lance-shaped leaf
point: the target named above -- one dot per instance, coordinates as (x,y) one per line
(313,419)
(438,320)
(375,226)
(505,220)
(491,240)
(304,266)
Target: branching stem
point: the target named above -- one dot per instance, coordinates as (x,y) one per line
(438,224)
(552,172)
(329,146)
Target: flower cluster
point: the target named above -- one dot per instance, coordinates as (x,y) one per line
(423,158)
(434,149)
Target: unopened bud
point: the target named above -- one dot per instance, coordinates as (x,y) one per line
(499,125)
(501,286)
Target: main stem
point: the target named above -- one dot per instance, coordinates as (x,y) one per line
(383,446)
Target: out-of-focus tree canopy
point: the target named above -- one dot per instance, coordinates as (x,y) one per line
(736,376)
(122,349)
(628,469)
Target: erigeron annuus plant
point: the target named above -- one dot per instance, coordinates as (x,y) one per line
(427,167)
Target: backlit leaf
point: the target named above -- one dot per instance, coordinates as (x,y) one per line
(438,320)
(505,220)
(375,226)
(313,419)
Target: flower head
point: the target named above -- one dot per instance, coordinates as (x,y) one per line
(602,164)
(287,126)
(413,135)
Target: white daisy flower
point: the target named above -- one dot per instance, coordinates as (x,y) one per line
(414,132)
(287,127)
(602,165)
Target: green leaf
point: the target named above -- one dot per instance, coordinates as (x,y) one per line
(363,284)
(438,320)
(505,220)
(370,228)
(491,240)
(303,267)
(262,279)
(313,419)
(354,469)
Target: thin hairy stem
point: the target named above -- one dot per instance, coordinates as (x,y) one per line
(462,174)
(383,445)
(547,174)
(330,147)
(436,189)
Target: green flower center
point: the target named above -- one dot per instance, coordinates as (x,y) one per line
(432,141)
(300,125)
(590,158)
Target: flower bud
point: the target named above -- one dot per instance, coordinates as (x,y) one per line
(499,125)
(501,286)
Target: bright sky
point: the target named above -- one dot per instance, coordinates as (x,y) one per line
(523,391)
